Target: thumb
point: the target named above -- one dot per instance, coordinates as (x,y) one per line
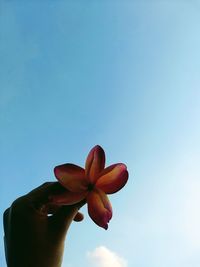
(62,219)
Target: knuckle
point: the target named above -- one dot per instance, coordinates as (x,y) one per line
(19,202)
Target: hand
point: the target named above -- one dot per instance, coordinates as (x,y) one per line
(33,238)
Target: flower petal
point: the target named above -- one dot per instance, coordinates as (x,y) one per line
(67,198)
(99,208)
(113,178)
(95,163)
(71,177)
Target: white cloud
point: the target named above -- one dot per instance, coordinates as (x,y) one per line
(103,257)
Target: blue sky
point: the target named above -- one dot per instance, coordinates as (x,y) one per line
(122,74)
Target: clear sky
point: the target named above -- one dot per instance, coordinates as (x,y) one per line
(122,74)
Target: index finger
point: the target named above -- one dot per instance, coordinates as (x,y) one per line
(41,193)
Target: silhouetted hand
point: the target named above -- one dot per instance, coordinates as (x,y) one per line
(33,238)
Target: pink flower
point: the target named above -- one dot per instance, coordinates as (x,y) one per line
(91,184)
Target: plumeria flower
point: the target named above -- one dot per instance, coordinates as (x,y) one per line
(91,184)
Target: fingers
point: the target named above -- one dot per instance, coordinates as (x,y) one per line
(42,192)
(39,197)
(38,201)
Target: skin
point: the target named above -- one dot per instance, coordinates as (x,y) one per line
(32,238)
